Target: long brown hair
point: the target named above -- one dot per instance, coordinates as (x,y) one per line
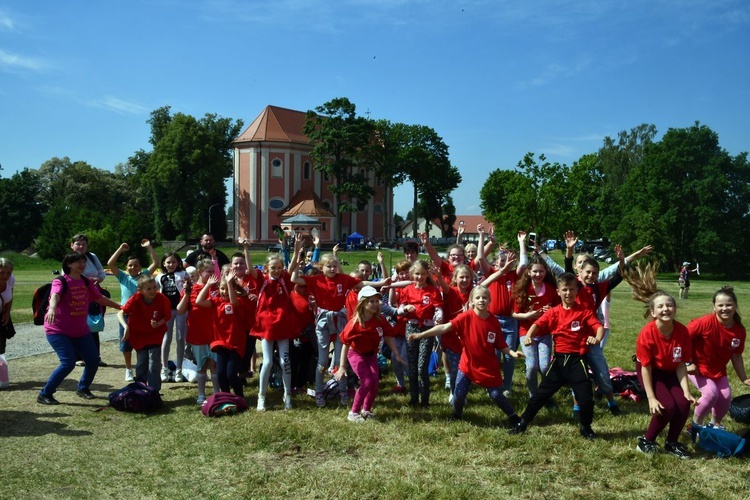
(521,288)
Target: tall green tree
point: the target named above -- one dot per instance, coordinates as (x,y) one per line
(22,209)
(507,199)
(186,170)
(340,139)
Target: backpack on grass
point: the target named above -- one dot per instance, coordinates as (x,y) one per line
(223,403)
(40,301)
(136,397)
(719,441)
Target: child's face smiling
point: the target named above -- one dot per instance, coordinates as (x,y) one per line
(170,264)
(537,273)
(724,308)
(463,280)
(134,267)
(224,290)
(373,304)
(239,267)
(419,275)
(481,300)
(589,274)
(331,268)
(275,268)
(149,290)
(567,293)
(663,309)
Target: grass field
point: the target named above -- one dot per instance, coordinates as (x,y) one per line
(73,451)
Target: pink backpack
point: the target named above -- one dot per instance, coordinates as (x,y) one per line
(223,403)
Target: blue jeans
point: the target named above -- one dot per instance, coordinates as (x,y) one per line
(463,384)
(68,349)
(148,366)
(538,356)
(598,365)
(510,330)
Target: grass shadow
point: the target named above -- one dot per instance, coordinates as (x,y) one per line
(27,423)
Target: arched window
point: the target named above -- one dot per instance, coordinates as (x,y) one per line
(306,168)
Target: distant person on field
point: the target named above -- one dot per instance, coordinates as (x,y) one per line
(207,250)
(684,279)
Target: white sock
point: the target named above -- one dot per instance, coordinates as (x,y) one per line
(201,380)
(215,382)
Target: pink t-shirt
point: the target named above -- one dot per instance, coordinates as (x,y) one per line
(73,307)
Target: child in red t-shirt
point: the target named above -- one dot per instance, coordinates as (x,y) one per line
(573,328)
(662,349)
(148,312)
(480,334)
(361,339)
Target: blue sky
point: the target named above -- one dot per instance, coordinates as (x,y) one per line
(495,78)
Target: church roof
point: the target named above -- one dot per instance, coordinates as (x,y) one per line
(275,124)
(308,203)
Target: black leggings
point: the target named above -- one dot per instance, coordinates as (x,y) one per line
(228,364)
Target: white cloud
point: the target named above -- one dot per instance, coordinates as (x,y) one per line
(11,61)
(6,23)
(118,105)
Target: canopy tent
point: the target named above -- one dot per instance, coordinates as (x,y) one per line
(355,240)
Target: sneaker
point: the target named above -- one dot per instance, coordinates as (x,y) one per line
(102,364)
(507,394)
(344,399)
(398,390)
(46,400)
(514,420)
(646,446)
(447,383)
(80,363)
(287,402)
(368,415)
(615,410)
(587,432)
(519,428)
(165,374)
(320,400)
(129,375)
(201,399)
(355,417)
(179,377)
(450,399)
(261,403)
(85,394)
(677,449)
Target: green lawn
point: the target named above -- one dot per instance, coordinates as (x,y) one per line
(72,451)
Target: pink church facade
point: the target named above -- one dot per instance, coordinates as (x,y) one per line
(274,178)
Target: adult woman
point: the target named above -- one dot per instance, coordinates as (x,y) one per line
(95,273)
(66,328)
(7,282)
(717,338)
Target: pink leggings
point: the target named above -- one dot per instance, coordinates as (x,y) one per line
(715,395)
(366,368)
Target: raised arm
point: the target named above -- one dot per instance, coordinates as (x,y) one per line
(112,262)
(436,259)
(154,259)
(245,243)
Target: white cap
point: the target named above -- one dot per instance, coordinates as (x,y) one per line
(367,292)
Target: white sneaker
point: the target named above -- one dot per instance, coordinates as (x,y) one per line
(178,376)
(165,374)
(129,375)
(368,415)
(287,402)
(447,383)
(201,399)
(261,403)
(355,417)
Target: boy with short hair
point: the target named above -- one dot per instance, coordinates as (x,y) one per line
(144,319)
(128,286)
(573,328)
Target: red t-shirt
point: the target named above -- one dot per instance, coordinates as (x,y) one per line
(365,339)
(425,300)
(714,345)
(454,302)
(249,303)
(229,328)
(569,328)
(501,292)
(654,349)
(274,317)
(480,337)
(200,319)
(303,315)
(330,293)
(446,269)
(534,303)
(140,315)
(351,304)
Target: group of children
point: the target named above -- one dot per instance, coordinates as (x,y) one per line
(481,312)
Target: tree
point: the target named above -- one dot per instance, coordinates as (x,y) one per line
(340,139)
(22,209)
(506,199)
(186,170)
(690,198)
(425,163)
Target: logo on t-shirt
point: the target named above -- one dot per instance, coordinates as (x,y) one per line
(575,326)
(735,343)
(228,309)
(426,300)
(339,288)
(379,330)
(491,337)
(677,354)
(508,285)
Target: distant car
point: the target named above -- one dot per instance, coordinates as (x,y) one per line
(275,248)
(599,252)
(551,244)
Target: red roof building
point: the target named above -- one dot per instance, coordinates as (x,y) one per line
(274,178)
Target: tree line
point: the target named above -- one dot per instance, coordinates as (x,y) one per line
(684,194)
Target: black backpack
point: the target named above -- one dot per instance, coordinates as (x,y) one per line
(40,302)
(136,397)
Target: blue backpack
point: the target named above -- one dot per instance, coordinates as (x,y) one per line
(719,441)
